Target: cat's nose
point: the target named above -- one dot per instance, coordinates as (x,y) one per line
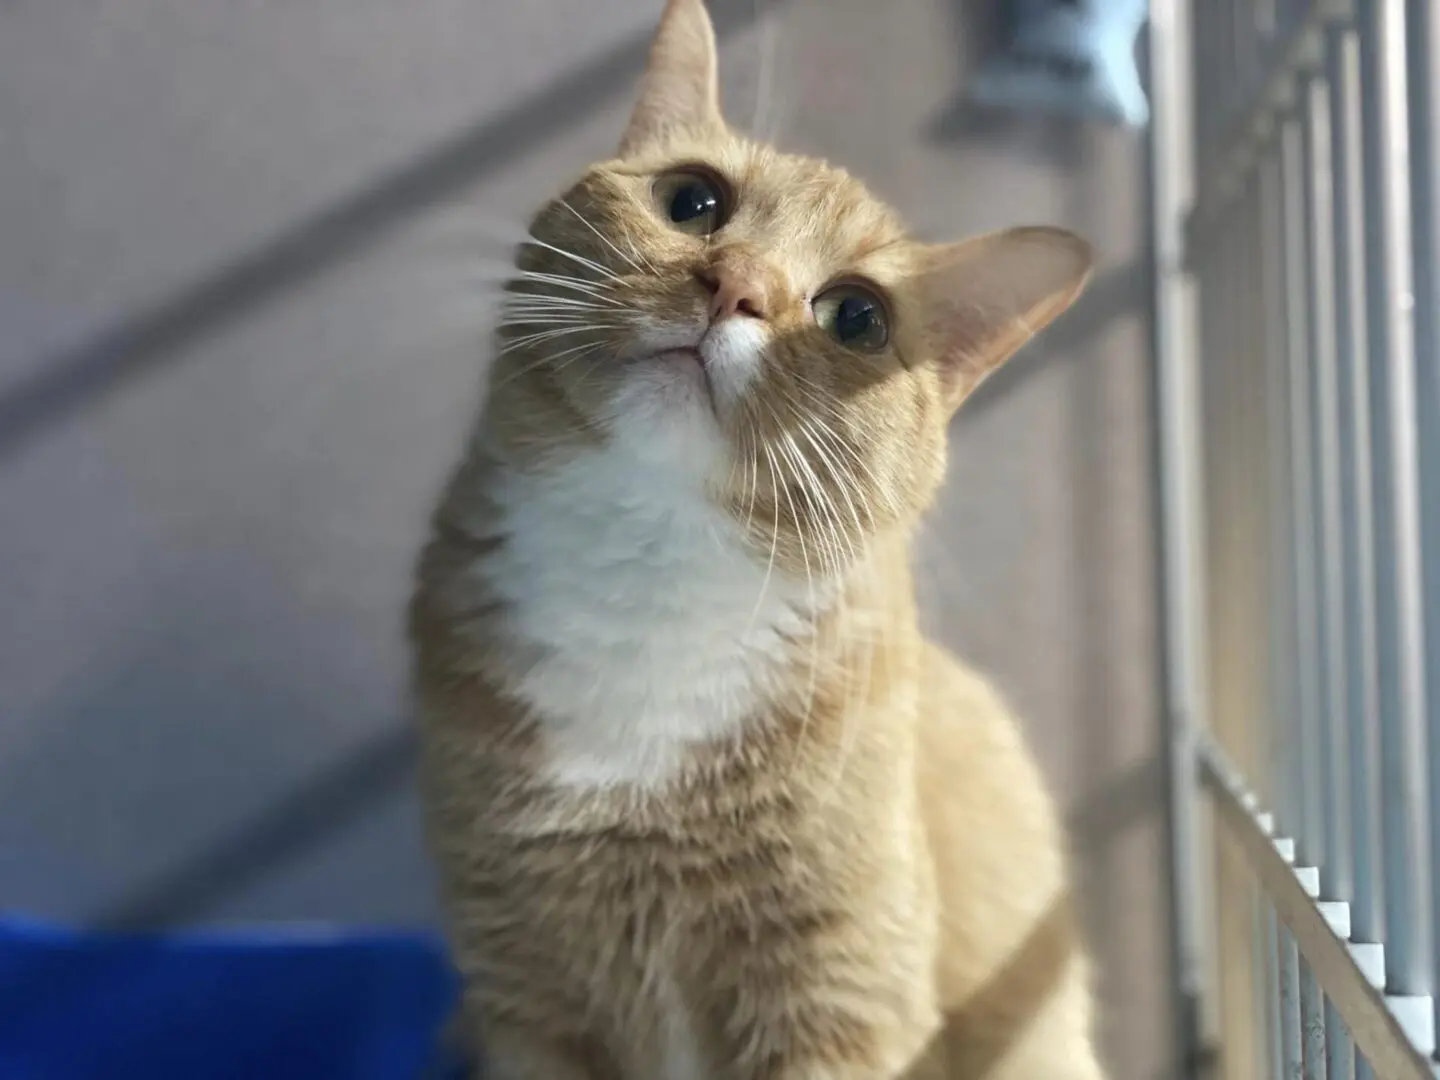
(739,284)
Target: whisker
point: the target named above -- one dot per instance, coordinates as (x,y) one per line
(540,337)
(846,628)
(826,408)
(589,264)
(571,356)
(838,475)
(824,445)
(821,498)
(553,311)
(602,237)
(597,290)
(774,536)
(754,482)
(537,299)
(552,318)
(532,326)
(812,678)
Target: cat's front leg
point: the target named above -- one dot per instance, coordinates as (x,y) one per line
(843,1028)
(512,1053)
(828,983)
(876,1055)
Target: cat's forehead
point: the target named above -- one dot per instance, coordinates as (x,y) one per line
(806,201)
(805,212)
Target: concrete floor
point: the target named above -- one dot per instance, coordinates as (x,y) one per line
(242,259)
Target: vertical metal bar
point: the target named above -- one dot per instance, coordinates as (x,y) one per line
(1305,827)
(1264,19)
(1247,45)
(1256,510)
(1179,497)
(1358,558)
(1202,61)
(1327,1047)
(1331,323)
(1277,492)
(1243,34)
(1339,1046)
(1262,973)
(1291,14)
(1229,364)
(1298,180)
(1423,70)
(1275,999)
(1225,66)
(1292,1048)
(1312,1025)
(1329,724)
(1295,161)
(1398,585)
(1277,273)
(1273,1020)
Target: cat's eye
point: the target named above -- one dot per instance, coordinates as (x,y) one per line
(694,202)
(854,316)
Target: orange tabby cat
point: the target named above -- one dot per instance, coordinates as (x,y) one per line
(705,803)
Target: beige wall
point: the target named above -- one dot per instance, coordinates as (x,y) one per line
(203,557)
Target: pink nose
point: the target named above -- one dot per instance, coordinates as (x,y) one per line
(739,285)
(735,295)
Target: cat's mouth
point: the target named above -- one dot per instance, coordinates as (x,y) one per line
(687,352)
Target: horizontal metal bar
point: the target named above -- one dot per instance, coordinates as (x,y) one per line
(1378,1035)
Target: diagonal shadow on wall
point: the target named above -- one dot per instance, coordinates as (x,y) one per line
(136,346)
(292,826)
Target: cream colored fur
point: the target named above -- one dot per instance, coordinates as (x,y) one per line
(705,804)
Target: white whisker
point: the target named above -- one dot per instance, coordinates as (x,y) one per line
(825,408)
(541,337)
(589,264)
(812,607)
(602,237)
(566,356)
(774,538)
(595,289)
(545,300)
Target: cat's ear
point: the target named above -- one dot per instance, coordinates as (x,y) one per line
(681,86)
(986,297)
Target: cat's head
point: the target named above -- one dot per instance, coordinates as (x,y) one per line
(756,323)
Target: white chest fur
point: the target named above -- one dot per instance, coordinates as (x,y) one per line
(658,628)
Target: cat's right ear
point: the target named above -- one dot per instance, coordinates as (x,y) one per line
(681,87)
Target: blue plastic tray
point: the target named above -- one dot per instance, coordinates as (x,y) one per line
(284,1005)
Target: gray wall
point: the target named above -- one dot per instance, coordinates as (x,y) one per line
(243,248)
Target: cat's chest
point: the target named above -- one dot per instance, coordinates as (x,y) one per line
(654,628)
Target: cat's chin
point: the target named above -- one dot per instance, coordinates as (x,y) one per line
(673,379)
(665,411)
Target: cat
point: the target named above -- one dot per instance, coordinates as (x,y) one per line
(705,804)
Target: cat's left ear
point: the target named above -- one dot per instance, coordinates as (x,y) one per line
(681,86)
(986,297)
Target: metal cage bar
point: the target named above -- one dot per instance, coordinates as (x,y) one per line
(1399,633)
(1422,31)
(1300,499)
